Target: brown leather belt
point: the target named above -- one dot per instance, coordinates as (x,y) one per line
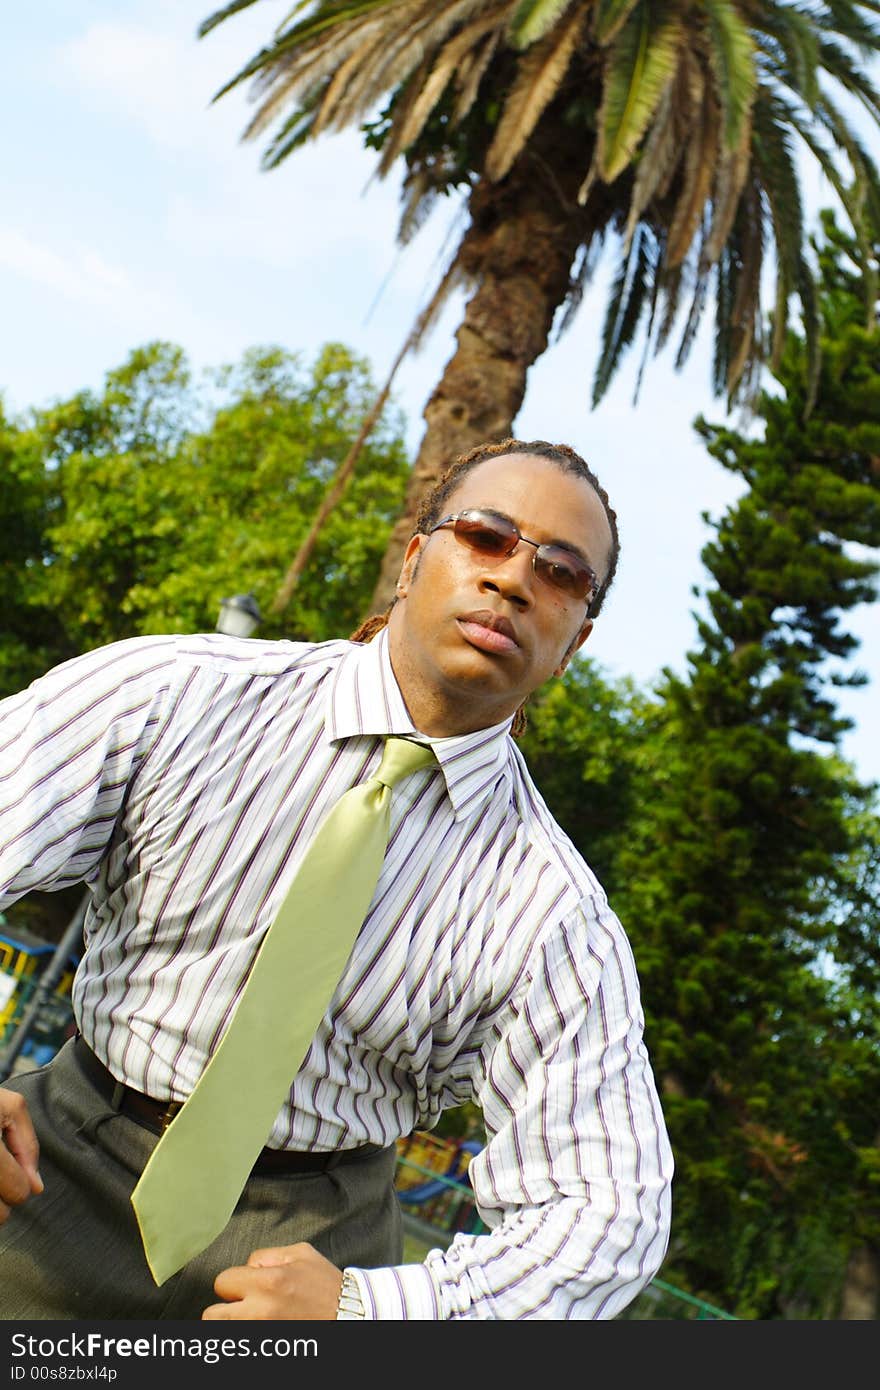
(156,1115)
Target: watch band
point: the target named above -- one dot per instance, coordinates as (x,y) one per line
(350,1305)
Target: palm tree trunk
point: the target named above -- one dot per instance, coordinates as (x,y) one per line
(519,249)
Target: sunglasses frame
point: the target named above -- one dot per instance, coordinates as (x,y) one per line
(540,563)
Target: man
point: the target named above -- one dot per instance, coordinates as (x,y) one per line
(182,778)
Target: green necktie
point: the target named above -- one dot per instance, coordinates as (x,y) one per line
(196,1173)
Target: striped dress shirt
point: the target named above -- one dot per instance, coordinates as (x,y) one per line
(181,778)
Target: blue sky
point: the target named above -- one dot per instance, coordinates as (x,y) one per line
(132,211)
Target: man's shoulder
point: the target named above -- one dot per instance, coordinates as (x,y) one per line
(254,657)
(160,664)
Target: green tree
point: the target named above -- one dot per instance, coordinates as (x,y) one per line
(142,506)
(30,633)
(138,508)
(748,876)
(669,129)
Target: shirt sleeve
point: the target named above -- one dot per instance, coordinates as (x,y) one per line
(574,1182)
(69,745)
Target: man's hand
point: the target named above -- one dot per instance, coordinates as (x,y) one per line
(19,1152)
(292,1282)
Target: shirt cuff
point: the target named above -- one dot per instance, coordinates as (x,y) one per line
(403,1292)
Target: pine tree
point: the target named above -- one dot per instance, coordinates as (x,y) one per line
(748,875)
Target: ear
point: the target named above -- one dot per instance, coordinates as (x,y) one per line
(410,564)
(579,641)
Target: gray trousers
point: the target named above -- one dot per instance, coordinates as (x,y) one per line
(75,1251)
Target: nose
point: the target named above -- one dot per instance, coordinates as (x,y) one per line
(512,577)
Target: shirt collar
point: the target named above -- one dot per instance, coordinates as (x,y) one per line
(365,699)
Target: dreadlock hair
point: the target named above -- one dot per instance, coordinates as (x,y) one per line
(434,503)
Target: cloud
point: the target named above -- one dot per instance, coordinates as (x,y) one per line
(82,275)
(151,78)
(157,76)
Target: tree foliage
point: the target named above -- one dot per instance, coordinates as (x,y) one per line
(749,873)
(138,508)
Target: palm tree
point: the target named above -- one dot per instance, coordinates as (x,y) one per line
(672,126)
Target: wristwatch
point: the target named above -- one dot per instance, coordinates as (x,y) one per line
(350,1305)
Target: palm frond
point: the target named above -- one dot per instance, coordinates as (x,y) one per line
(853,79)
(415,44)
(671,283)
(795,57)
(745,315)
(641,64)
(725,275)
(693,320)
(294,132)
(422,91)
(581,276)
(418,199)
(453,278)
(219,15)
(656,281)
(434,78)
(471,73)
(533,19)
(625,304)
(657,160)
(732,57)
(845,18)
(540,74)
(860,197)
(298,76)
(730,178)
(811,319)
(700,158)
(321,34)
(347,77)
(446,64)
(404,101)
(775,165)
(611,15)
(794,274)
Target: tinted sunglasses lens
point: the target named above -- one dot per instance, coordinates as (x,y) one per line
(490,535)
(565,571)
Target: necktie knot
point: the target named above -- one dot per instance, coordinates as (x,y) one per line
(400,758)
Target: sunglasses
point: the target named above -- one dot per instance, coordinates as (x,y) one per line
(496,537)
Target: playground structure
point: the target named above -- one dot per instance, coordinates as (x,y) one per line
(432,1184)
(35,1008)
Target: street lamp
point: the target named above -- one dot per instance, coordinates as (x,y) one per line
(239,615)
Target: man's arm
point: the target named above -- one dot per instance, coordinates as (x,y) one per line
(575,1181)
(69,744)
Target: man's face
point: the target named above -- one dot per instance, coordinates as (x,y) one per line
(471,636)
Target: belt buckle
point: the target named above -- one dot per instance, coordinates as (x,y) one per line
(169,1113)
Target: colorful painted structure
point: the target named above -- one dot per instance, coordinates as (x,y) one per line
(23,958)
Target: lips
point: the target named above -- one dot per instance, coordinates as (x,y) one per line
(488,631)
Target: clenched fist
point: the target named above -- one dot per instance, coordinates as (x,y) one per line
(291,1282)
(19,1153)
